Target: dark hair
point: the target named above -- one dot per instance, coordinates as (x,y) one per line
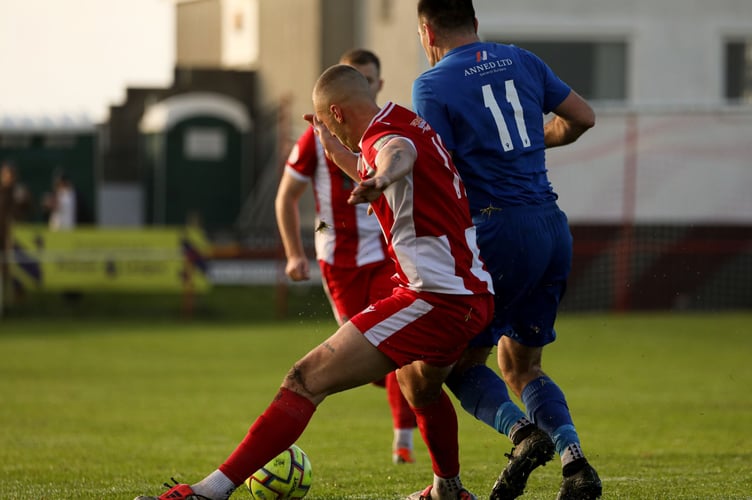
(448,15)
(361,57)
(59,174)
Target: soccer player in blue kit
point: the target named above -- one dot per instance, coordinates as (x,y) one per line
(487,101)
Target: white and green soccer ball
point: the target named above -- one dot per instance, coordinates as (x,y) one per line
(286,477)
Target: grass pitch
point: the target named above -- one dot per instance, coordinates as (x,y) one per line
(93,409)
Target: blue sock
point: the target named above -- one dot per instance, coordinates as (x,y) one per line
(547,408)
(484,395)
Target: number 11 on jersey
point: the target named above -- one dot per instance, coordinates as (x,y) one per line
(489,100)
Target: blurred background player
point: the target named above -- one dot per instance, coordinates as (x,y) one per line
(350,247)
(61,203)
(442,299)
(487,101)
(7,205)
(15,206)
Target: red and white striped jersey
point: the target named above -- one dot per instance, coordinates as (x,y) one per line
(425,215)
(346,236)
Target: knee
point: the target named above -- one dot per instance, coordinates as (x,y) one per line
(472,357)
(419,391)
(295,381)
(420,394)
(517,378)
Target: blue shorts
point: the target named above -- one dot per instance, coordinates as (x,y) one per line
(528,252)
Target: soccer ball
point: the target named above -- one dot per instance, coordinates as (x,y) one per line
(285,477)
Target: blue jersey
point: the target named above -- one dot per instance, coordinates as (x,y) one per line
(487,102)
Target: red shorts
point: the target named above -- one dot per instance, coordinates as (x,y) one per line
(350,290)
(435,328)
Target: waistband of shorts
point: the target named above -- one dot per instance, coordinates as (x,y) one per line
(486,214)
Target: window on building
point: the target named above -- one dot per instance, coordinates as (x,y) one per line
(739,70)
(596,70)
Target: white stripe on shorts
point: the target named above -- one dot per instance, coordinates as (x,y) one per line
(396,322)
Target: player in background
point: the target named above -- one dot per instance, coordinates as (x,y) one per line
(487,101)
(350,247)
(442,298)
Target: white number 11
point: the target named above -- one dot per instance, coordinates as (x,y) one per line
(489,100)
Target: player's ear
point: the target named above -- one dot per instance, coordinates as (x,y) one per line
(475,23)
(430,34)
(336,112)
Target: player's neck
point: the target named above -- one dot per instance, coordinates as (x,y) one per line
(460,39)
(456,42)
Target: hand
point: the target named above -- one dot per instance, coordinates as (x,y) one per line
(368,190)
(329,141)
(297,269)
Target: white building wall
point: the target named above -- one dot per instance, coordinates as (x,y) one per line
(658,167)
(675,46)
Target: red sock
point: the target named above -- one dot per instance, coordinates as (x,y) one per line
(402,415)
(272,433)
(438,426)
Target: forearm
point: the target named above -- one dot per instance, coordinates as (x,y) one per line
(560,132)
(393,162)
(288,223)
(571,119)
(346,160)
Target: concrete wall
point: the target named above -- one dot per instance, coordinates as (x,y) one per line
(289,53)
(390,29)
(198,36)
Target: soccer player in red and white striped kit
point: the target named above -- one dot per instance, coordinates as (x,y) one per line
(350,247)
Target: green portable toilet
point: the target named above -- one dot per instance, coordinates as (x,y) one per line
(195,151)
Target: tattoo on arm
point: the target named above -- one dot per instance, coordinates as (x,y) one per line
(396,157)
